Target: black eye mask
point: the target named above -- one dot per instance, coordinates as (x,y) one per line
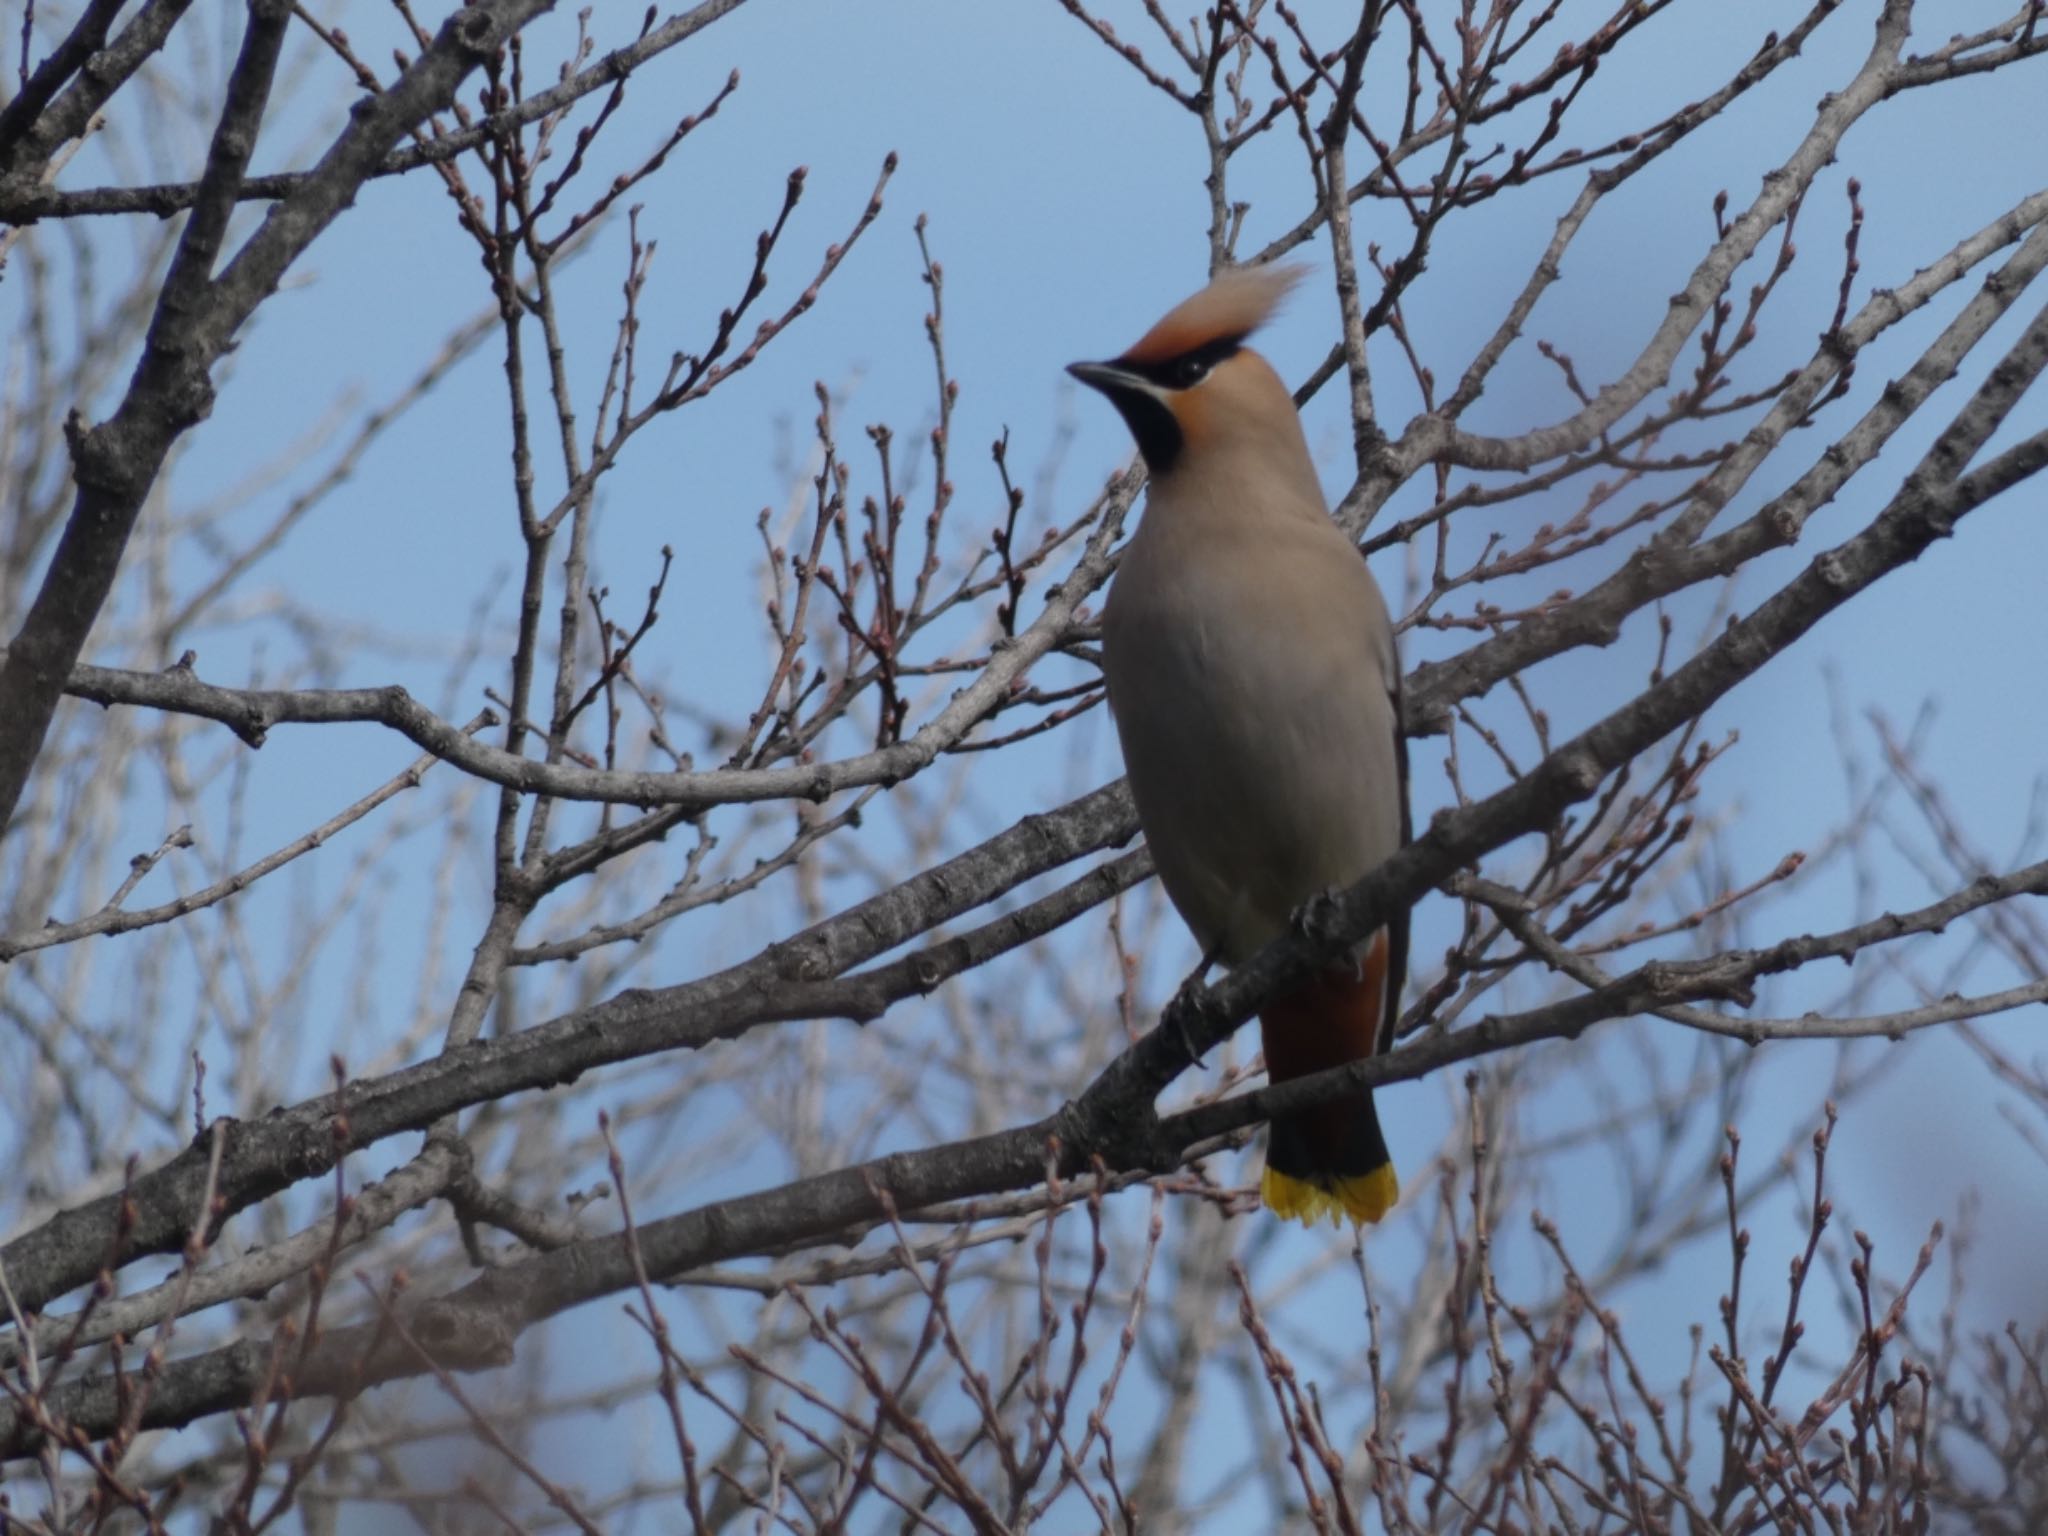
(1190,368)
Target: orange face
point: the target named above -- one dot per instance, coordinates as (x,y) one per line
(1190,381)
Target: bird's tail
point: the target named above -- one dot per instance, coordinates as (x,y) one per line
(1330,1160)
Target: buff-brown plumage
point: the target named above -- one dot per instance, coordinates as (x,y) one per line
(1251,668)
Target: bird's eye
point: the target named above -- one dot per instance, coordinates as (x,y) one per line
(1190,371)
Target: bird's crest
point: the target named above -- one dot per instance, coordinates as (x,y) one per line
(1237,303)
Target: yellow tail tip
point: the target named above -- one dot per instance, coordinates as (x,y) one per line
(1364,1198)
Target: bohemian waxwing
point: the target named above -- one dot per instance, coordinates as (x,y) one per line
(1252,672)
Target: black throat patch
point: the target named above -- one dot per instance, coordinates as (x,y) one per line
(1153,425)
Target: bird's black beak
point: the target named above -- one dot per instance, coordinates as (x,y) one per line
(1107,377)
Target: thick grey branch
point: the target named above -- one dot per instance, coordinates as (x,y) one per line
(26,201)
(477,1325)
(103,73)
(791,980)
(117,462)
(86,37)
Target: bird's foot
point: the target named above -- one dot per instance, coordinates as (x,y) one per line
(1320,920)
(1318,917)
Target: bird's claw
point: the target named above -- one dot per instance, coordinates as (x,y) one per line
(1319,920)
